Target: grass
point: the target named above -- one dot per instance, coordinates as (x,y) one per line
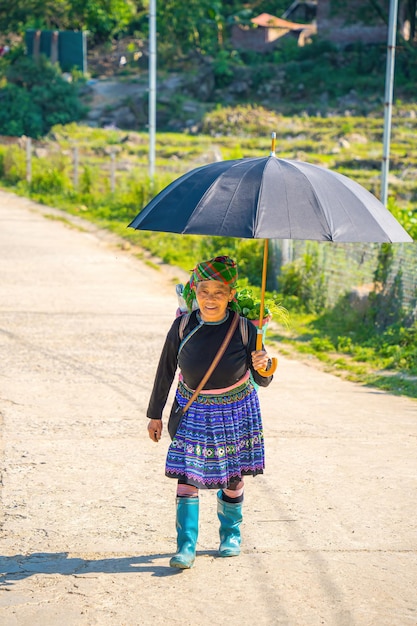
(327,341)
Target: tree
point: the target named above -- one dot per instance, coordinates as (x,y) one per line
(192,25)
(16,15)
(103,18)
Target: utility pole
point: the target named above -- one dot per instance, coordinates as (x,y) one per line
(152,86)
(389,88)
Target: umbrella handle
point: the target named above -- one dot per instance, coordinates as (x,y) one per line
(274,363)
(266,373)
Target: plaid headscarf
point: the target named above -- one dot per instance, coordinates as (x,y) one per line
(221,268)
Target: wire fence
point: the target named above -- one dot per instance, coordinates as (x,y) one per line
(350,268)
(110,166)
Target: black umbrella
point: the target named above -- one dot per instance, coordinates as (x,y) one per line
(270,198)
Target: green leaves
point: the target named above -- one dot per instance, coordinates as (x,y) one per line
(17,116)
(250,307)
(36,98)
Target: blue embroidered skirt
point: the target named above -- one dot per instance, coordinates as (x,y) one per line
(219,439)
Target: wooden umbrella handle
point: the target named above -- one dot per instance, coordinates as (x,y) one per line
(274,361)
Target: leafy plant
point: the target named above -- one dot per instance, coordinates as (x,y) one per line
(250,307)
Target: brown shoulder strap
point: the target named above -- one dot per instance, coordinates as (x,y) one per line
(215,361)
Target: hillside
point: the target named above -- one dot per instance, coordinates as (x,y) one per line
(317,80)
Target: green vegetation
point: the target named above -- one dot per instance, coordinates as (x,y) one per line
(250,307)
(350,347)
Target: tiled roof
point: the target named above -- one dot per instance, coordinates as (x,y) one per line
(270,21)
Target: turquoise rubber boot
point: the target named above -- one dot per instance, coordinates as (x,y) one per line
(187,532)
(230,516)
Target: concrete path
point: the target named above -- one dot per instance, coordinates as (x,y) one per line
(87,519)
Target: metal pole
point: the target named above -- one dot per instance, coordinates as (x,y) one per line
(389,87)
(152,86)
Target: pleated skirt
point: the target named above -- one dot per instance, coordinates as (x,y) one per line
(219,439)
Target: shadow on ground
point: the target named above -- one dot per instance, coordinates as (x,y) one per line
(19,567)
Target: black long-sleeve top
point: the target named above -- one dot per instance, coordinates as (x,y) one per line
(196,356)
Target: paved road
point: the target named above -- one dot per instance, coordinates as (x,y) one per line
(87,522)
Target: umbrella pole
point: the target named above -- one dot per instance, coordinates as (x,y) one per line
(263,287)
(259,337)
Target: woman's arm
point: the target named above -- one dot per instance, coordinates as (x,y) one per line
(165,374)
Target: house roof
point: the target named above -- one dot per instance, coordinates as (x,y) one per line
(270,21)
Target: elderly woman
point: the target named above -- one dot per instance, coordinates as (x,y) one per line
(219,438)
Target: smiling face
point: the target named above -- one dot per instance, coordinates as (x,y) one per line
(213,298)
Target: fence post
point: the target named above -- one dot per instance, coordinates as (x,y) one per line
(113,171)
(75,167)
(28,160)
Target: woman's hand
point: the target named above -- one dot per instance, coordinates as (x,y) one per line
(260,359)
(155,430)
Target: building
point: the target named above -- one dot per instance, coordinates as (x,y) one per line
(265,31)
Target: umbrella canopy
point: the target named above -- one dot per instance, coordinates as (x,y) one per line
(272,198)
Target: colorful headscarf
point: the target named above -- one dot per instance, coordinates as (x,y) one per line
(221,268)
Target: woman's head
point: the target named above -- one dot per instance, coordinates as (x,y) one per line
(212,281)
(213,298)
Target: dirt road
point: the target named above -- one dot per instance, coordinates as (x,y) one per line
(87,521)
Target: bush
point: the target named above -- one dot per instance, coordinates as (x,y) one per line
(36,98)
(49,180)
(18,114)
(14,165)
